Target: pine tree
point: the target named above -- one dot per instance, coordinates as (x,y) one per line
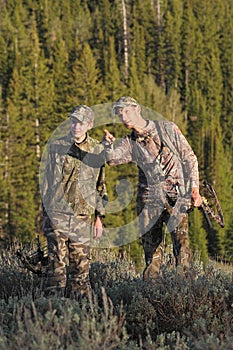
(135,88)
(21,176)
(198,236)
(226,190)
(3,67)
(138,52)
(113,84)
(171,39)
(3,171)
(25,108)
(88,85)
(226,52)
(191,54)
(158,61)
(54,54)
(140,21)
(104,30)
(59,62)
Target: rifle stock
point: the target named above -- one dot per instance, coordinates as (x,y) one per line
(34,261)
(208,212)
(204,211)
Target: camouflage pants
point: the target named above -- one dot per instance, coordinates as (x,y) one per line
(151,220)
(68,240)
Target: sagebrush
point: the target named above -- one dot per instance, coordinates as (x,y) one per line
(178,311)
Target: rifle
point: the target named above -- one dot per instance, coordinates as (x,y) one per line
(34,261)
(206,208)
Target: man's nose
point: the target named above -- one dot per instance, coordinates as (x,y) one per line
(77,126)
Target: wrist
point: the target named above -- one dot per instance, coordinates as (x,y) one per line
(99,217)
(195,190)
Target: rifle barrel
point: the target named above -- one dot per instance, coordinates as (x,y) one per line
(206,215)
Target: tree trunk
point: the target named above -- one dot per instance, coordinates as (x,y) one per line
(125,42)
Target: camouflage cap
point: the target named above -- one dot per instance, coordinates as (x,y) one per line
(83,113)
(122,102)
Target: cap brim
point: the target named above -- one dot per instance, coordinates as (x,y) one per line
(80,118)
(123,105)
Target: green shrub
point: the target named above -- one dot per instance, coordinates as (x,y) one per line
(179,311)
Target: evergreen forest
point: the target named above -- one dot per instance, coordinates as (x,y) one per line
(174,56)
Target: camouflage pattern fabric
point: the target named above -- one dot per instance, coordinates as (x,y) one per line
(153,243)
(162,176)
(69,254)
(73,183)
(73,192)
(136,148)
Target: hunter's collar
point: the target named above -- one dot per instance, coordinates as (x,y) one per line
(147,133)
(85,140)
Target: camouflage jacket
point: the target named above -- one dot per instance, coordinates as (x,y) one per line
(74,184)
(167,161)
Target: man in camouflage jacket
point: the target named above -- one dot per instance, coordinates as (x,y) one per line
(73,192)
(168,181)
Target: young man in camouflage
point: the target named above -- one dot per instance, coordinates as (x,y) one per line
(167,179)
(73,192)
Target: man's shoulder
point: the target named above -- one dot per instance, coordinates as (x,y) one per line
(167,127)
(60,144)
(93,140)
(95,144)
(62,140)
(160,127)
(165,123)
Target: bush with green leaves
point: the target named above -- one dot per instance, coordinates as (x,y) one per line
(192,310)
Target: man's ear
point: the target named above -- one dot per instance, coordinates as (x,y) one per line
(90,125)
(138,109)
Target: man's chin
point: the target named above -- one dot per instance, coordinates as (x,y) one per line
(128,126)
(76,135)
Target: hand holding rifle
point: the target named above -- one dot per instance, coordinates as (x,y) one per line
(204,206)
(196,197)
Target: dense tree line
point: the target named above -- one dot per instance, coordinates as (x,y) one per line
(174,56)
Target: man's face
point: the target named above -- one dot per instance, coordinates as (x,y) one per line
(78,128)
(128,115)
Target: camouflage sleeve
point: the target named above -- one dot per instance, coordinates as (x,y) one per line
(120,153)
(187,156)
(52,175)
(102,197)
(46,183)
